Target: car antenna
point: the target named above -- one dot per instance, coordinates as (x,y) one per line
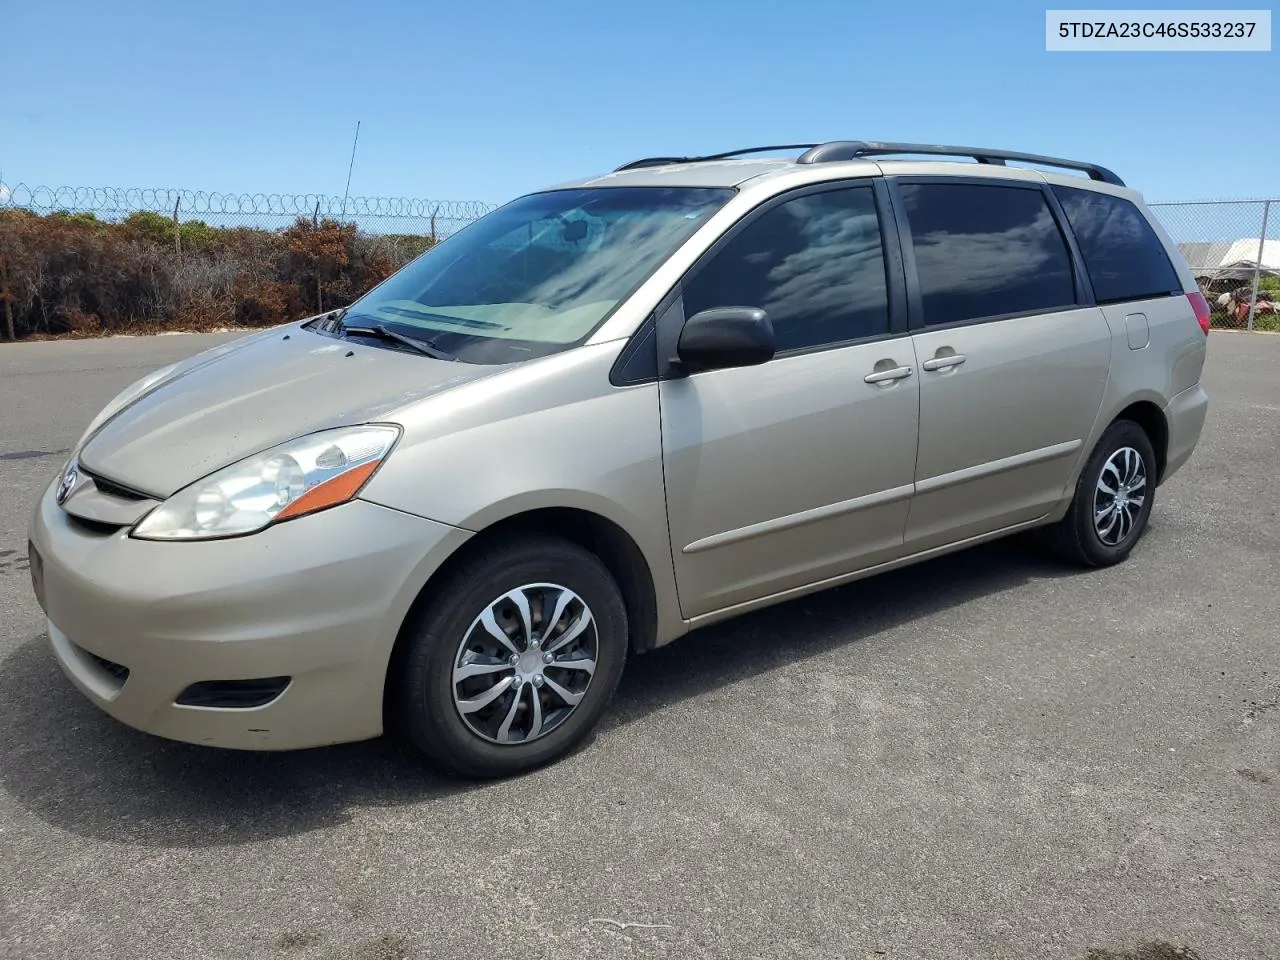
(350,167)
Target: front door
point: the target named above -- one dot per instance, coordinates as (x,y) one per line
(798,470)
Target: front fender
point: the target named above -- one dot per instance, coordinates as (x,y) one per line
(556,435)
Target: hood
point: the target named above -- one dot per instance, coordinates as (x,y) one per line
(242,398)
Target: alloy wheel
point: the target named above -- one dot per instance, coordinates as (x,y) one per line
(1119,496)
(525,663)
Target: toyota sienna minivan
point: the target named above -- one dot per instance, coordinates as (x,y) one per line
(606,414)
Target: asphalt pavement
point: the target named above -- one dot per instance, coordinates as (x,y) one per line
(985,756)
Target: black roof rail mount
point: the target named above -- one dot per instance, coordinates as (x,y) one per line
(837,150)
(727,155)
(857,149)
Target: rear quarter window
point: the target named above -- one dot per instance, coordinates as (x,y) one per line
(1122,254)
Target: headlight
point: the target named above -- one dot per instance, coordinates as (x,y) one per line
(296,478)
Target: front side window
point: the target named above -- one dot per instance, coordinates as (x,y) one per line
(815,264)
(1124,257)
(986,251)
(538,275)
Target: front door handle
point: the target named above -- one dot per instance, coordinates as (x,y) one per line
(884,376)
(944,363)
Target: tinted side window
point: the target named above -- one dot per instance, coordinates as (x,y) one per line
(984,251)
(1124,257)
(815,264)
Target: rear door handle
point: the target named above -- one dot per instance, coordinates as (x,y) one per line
(884,376)
(944,363)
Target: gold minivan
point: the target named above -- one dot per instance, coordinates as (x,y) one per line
(609,413)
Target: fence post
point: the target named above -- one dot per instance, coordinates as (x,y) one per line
(1257,266)
(315,223)
(177,230)
(10,333)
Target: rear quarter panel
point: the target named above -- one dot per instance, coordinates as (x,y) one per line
(1167,366)
(1173,358)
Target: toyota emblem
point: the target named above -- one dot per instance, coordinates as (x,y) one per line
(67,483)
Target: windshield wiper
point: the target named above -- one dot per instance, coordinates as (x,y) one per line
(460,321)
(380,332)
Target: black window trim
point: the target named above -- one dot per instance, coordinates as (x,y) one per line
(637,364)
(1084,270)
(670,318)
(1079,271)
(915,310)
(1143,298)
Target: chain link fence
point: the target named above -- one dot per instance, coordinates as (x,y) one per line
(93,260)
(1233,248)
(257,211)
(99,259)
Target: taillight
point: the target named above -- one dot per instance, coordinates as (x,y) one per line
(1201,306)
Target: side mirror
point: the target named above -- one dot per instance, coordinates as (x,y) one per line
(726,337)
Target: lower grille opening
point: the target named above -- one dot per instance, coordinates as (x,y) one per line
(233,694)
(119,671)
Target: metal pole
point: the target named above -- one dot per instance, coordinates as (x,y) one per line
(1257,266)
(315,222)
(177,228)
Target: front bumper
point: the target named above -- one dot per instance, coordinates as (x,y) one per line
(319,600)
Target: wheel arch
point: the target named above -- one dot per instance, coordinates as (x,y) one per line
(1146,409)
(1150,417)
(589,529)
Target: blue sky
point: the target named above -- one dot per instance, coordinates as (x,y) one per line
(484,100)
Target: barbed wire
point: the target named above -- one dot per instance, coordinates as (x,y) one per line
(1211,203)
(126,200)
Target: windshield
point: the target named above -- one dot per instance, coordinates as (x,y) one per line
(539,274)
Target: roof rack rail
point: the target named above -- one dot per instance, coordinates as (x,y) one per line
(856,149)
(836,150)
(727,155)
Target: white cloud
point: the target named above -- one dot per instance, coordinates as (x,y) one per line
(4,192)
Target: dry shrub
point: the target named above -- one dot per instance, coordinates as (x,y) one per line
(203,292)
(260,302)
(76,322)
(75,275)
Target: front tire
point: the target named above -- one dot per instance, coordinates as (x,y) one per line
(1112,502)
(513,659)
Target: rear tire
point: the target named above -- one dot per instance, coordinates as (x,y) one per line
(1112,502)
(480,654)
